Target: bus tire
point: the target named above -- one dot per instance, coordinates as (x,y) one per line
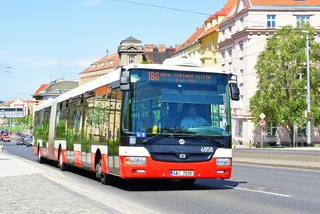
(61,165)
(105,179)
(187,182)
(40,159)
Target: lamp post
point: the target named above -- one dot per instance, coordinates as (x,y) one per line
(309,114)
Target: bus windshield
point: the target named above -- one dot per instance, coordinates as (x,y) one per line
(178,102)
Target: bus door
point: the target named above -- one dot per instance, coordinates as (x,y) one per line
(114,131)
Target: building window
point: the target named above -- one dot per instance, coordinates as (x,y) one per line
(272,129)
(241,46)
(223,54)
(230,31)
(131,59)
(271,23)
(241,24)
(240,127)
(230,53)
(302,20)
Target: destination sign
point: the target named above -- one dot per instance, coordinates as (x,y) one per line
(178,77)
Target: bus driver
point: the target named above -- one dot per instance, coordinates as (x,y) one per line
(192,120)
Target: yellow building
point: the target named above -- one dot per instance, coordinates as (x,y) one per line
(190,48)
(202,44)
(210,38)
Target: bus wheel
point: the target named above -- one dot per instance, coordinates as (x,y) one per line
(104,178)
(187,182)
(40,159)
(61,165)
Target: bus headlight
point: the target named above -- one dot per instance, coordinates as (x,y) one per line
(135,160)
(223,161)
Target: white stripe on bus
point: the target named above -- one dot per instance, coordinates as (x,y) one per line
(40,143)
(103,149)
(142,151)
(77,147)
(62,142)
(223,153)
(133,151)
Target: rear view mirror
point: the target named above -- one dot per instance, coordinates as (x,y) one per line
(125,80)
(234,91)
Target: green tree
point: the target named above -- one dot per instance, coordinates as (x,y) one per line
(282,79)
(146,62)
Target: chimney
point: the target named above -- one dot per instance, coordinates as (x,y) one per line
(162,48)
(148,48)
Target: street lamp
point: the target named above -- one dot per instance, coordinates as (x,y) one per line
(309,114)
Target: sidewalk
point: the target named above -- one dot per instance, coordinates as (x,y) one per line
(279,160)
(279,148)
(24,189)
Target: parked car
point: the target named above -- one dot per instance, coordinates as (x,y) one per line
(21,141)
(6,138)
(28,141)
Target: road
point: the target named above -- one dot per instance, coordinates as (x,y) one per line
(252,189)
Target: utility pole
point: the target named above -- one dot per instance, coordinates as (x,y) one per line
(309,113)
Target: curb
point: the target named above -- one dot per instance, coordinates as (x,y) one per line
(278,165)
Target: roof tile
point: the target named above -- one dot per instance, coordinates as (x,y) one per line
(102,63)
(191,39)
(41,88)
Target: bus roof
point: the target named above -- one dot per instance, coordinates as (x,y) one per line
(173,67)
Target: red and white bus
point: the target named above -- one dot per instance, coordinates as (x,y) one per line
(142,121)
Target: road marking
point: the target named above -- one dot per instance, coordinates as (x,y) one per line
(259,191)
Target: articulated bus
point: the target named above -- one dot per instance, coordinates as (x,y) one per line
(142,121)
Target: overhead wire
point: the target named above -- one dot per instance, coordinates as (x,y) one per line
(163,7)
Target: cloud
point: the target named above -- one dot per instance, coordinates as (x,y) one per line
(93,2)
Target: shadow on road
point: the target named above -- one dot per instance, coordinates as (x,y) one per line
(174,185)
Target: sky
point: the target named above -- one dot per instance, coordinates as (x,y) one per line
(41,41)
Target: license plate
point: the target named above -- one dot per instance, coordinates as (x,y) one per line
(181,173)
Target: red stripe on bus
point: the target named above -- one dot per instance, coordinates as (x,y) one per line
(40,150)
(56,154)
(77,158)
(105,167)
(158,169)
(93,158)
(47,153)
(64,156)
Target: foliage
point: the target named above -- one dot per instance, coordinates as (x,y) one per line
(26,120)
(281,93)
(146,62)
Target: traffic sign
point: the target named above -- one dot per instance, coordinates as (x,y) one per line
(262,116)
(262,123)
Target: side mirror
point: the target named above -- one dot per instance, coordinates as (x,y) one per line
(124,80)
(234,91)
